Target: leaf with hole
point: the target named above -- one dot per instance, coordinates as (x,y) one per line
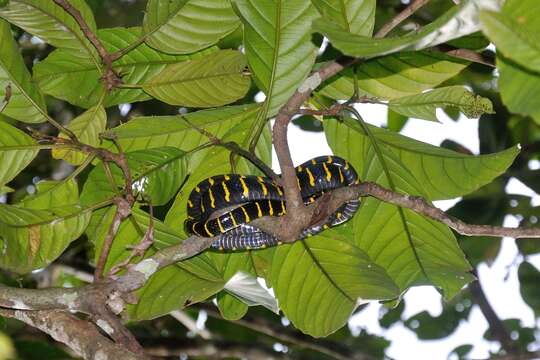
(186,26)
(215,80)
(26,103)
(423,106)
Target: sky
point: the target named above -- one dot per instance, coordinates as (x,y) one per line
(498,279)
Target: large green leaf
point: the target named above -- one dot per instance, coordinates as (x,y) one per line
(217,79)
(320,281)
(354,16)
(423,106)
(16,151)
(186,26)
(412,249)
(396,75)
(444,174)
(457,22)
(518,86)
(515,31)
(156,173)
(35,235)
(277,39)
(48,21)
(156,131)
(26,102)
(87,128)
(63,70)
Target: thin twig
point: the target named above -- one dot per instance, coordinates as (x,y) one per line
(234,147)
(110,77)
(7,97)
(470,55)
(296,338)
(122,211)
(400,17)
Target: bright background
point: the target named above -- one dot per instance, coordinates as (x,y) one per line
(499,281)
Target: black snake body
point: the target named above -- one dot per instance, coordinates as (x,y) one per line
(224,205)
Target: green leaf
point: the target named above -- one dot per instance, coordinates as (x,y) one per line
(26,102)
(444,174)
(5,190)
(156,131)
(230,307)
(277,38)
(413,249)
(186,26)
(169,289)
(354,16)
(394,76)
(515,31)
(320,281)
(16,152)
(87,128)
(395,121)
(518,86)
(529,278)
(49,22)
(33,238)
(63,70)
(51,194)
(215,80)
(457,22)
(423,106)
(156,173)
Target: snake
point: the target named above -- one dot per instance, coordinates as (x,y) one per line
(224,205)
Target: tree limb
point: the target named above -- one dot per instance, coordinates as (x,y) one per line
(79,335)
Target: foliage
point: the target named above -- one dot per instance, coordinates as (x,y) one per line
(192,68)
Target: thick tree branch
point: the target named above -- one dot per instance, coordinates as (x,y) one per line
(79,335)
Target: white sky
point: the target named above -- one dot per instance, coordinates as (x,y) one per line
(501,290)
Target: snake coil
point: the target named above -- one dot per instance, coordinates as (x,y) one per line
(225,204)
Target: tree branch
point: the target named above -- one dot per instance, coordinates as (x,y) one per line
(111,79)
(396,20)
(79,335)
